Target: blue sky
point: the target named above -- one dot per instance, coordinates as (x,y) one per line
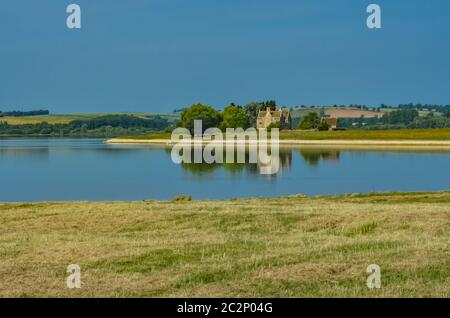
(158,55)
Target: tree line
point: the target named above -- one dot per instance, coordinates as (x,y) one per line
(17,113)
(232,116)
(102,126)
(406,117)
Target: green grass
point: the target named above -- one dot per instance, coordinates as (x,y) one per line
(399,134)
(51,119)
(293,246)
(152,136)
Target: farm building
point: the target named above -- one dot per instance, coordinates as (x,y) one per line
(279,116)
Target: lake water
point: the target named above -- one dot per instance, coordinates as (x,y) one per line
(88,169)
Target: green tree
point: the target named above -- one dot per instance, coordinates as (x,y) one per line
(401,116)
(234,117)
(323,126)
(208,115)
(310,121)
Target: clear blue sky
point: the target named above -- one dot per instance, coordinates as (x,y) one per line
(157,55)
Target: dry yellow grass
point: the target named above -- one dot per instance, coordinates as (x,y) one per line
(67,118)
(51,119)
(290,246)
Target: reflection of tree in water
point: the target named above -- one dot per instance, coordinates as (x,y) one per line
(204,168)
(285,159)
(37,153)
(313,156)
(200,169)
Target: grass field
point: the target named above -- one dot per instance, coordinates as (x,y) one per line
(399,134)
(66,118)
(51,119)
(269,247)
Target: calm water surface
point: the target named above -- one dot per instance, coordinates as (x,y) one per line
(87,169)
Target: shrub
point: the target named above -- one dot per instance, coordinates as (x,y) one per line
(182,198)
(310,121)
(323,126)
(208,115)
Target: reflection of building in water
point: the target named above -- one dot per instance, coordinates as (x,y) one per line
(280,163)
(286,159)
(313,156)
(284,162)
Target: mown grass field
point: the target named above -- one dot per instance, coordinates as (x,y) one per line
(66,118)
(269,247)
(399,134)
(51,119)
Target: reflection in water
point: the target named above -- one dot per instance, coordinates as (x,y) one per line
(285,161)
(88,169)
(313,156)
(16,153)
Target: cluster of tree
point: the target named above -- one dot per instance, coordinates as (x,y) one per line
(208,115)
(103,126)
(401,116)
(17,113)
(405,117)
(124,121)
(430,107)
(233,116)
(433,107)
(313,121)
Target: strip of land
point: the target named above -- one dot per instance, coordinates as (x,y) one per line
(401,137)
(429,143)
(293,246)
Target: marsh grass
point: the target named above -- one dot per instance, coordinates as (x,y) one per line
(293,246)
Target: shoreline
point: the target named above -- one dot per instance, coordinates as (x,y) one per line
(288,142)
(297,196)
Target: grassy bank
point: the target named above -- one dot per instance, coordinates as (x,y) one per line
(290,246)
(399,134)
